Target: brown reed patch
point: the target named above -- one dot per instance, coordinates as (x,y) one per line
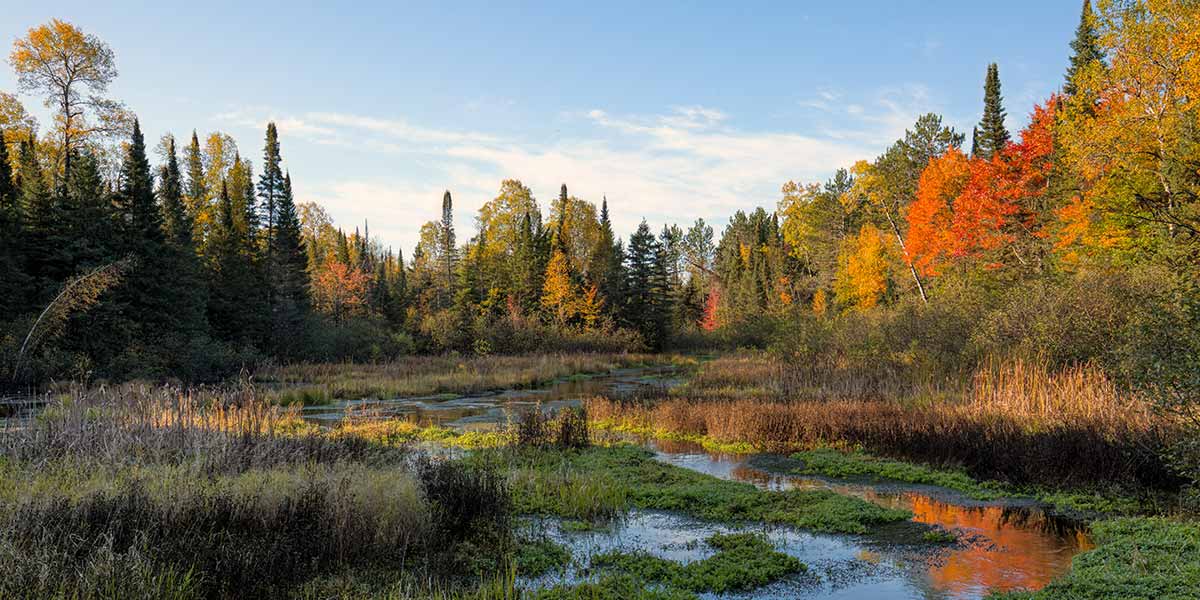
(1017,421)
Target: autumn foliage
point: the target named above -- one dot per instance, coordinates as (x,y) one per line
(980,208)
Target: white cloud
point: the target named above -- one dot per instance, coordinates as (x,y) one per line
(689,162)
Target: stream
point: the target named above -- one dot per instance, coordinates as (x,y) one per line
(1002,545)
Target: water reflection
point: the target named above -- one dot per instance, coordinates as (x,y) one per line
(1002,546)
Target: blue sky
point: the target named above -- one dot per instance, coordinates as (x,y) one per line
(672,110)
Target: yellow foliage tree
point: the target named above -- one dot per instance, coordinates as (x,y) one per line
(865,269)
(557,291)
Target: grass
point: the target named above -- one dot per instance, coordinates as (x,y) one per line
(743,562)
(1137,558)
(536,557)
(1010,422)
(844,465)
(645,483)
(138,491)
(309,384)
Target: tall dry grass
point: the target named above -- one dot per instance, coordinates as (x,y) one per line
(219,493)
(429,375)
(1018,421)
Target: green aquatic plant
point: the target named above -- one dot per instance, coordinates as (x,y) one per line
(650,484)
(743,561)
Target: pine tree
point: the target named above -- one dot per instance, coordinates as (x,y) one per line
(1085,47)
(993,136)
(975,141)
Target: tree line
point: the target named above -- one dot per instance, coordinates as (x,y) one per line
(935,249)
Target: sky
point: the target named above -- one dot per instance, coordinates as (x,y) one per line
(672,111)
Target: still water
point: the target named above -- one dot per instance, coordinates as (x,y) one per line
(1002,545)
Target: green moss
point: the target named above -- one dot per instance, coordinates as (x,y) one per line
(742,562)
(538,557)
(650,484)
(1138,558)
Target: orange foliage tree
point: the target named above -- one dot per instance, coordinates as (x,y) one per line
(981,208)
(339,290)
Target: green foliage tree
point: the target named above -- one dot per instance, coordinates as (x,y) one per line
(647,302)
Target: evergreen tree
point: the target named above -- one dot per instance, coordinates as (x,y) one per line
(975,141)
(447,249)
(993,136)
(233,282)
(14,281)
(607,257)
(289,276)
(170,191)
(1085,47)
(44,238)
(560,228)
(197,191)
(270,189)
(187,274)
(646,305)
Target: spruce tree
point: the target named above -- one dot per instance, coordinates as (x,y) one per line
(197,191)
(44,238)
(270,192)
(646,303)
(560,228)
(993,136)
(289,275)
(447,248)
(184,265)
(14,281)
(233,282)
(1085,47)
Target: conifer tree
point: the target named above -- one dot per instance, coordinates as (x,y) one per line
(646,305)
(560,228)
(186,272)
(233,281)
(270,189)
(993,136)
(1085,47)
(43,216)
(447,249)
(14,281)
(170,191)
(289,276)
(197,192)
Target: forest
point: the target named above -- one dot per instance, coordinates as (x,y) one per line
(996,313)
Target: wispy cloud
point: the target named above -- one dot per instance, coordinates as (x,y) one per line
(687,162)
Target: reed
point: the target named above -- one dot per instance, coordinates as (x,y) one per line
(1017,421)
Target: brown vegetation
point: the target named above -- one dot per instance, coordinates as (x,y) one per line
(1016,421)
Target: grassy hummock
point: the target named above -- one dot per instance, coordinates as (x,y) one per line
(1138,558)
(744,561)
(631,478)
